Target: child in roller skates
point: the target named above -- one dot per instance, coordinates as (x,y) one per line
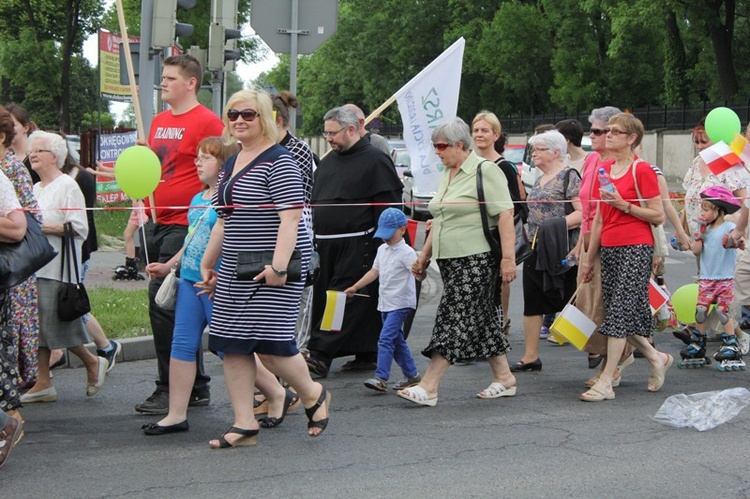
(717,251)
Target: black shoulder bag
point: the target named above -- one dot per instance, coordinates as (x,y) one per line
(72,299)
(252,263)
(523,248)
(19,261)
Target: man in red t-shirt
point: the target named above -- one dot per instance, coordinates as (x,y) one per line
(174,137)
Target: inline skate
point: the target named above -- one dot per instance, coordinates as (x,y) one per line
(729,356)
(694,354)
(129,271)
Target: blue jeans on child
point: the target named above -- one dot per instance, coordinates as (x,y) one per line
(392,345)
(192,315)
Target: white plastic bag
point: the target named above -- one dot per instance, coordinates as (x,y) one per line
(703,411)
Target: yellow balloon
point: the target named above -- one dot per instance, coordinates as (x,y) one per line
(138,171)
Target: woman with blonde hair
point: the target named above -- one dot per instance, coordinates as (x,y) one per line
(258,198)
(486,131)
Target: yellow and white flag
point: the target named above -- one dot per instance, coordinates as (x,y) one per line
(333,316)
(573,325)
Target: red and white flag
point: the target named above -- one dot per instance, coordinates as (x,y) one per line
(741,147)
(720,158)
(657,297)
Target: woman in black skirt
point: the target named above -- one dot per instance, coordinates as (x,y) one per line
(622,229)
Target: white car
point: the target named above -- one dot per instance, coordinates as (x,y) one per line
(415,202)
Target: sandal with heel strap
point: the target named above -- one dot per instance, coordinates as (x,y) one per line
(291,401)
(249,437)
(325,398)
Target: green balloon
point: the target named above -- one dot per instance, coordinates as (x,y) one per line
(722,124)
(684,301)
(138,171)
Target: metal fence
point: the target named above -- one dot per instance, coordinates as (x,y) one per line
(653,118)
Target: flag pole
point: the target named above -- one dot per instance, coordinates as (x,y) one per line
(133,89)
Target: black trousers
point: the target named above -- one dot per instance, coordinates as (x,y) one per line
(163,242)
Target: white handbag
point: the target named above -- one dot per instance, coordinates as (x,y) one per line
(166,297)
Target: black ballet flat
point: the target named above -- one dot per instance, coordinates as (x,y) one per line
(530,366)
(157,429)
(290,399)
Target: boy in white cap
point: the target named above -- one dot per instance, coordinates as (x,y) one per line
(398,296)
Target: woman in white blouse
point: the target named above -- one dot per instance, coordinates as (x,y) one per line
(61,201)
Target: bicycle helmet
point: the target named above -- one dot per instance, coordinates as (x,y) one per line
(721,197)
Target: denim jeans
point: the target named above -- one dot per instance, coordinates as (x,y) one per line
(392,345)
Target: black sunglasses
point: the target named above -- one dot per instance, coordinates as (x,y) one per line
(247,114)
(598,131)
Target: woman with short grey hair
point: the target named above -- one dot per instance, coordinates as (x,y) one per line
(61,202)
(554,210)
(468,320)
(552,140)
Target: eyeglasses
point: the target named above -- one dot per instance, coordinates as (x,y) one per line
(37,151)
(204,159)
(539,150)
(333,134)
(598,131)
(616,131)
(441,146)
(247,114)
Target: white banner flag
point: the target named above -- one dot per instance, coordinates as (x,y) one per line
(429,99)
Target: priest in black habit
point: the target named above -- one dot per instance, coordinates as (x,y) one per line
(354,173)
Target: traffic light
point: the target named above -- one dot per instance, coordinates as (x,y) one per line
(218,53)
(165,28)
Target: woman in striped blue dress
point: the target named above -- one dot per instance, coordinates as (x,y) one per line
(259,199)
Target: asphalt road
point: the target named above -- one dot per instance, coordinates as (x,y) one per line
(542,443)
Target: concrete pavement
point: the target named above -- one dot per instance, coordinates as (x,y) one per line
(541,443)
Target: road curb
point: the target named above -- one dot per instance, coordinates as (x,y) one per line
(139,348)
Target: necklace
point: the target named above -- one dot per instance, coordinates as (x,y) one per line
(620,171)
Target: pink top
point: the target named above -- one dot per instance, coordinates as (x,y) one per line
(590,167)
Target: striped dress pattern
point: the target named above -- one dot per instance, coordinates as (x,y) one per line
(249,316)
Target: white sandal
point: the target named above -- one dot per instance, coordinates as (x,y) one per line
(496,390)
(418,395)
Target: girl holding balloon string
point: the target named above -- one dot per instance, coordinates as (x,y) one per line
(193,308)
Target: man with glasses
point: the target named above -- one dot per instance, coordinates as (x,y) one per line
(174,137)
(353,185)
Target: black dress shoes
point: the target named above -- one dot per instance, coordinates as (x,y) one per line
(156,429)
(531,366)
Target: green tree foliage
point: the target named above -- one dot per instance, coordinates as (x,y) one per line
(92,120)
(531,56)
(56,29)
